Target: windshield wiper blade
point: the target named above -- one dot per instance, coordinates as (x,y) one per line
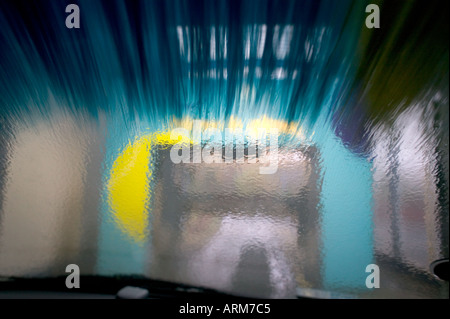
(112,286)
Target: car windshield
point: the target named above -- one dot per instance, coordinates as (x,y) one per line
(269,149)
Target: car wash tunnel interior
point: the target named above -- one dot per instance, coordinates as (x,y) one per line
(360,115)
